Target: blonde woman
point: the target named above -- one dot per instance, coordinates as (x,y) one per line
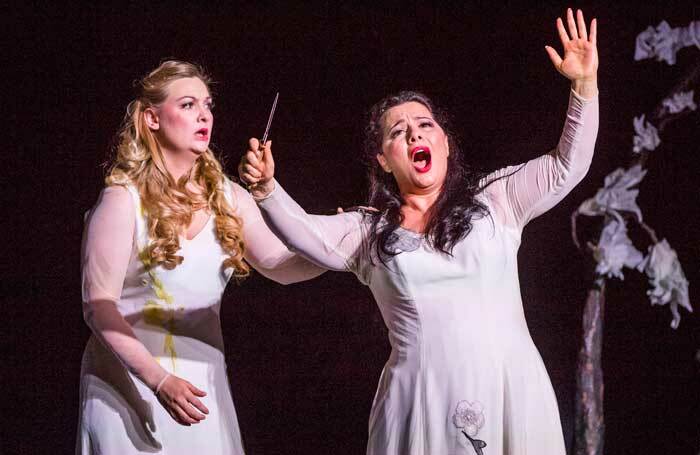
(166,235)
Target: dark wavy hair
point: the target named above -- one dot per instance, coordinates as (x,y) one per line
(450,218)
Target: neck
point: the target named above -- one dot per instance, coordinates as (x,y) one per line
(416,207)
(419,202)
(179,164)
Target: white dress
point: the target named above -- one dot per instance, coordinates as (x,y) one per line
(174,315)
(464,376)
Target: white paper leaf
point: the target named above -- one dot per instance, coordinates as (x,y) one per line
(669,285)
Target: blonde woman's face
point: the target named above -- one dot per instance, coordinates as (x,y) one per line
(183,122)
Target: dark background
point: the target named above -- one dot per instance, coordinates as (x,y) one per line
(304,359)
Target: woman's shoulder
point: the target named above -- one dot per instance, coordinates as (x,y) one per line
(238,197)
(114,203)
(233,188)
(117,196)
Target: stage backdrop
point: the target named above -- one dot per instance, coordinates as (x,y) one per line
(304,359)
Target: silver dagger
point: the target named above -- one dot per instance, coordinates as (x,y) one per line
(269,120)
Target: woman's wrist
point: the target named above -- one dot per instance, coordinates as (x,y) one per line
(160,384)
(261,191)
(586,88)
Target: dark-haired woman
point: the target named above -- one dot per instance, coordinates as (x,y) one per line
(440,257)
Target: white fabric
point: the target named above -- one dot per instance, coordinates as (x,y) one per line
(147,324)
(462,358)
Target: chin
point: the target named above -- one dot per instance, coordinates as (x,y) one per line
(426,182)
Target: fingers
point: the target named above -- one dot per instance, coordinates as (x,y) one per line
(267,145)
(251,157)
(179,398)
(581,25)
(251,172)
(197,392)
(257,166)
(194,401)
(573,33)
(186,403)
(251,167)
(554,57)
(199,405)
(187,413)
(176,417)
(267,154)
(562,32)
(253,144)
(577,28)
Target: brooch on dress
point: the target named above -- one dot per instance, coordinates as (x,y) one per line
(469,417)
(404,241)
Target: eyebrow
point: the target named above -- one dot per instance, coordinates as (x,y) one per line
(193,97)
(392,126)
(419,118)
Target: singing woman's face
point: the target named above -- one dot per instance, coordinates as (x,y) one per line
(183,122)
(414,148)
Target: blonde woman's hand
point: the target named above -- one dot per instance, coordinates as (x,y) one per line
(580,62)
(181,400)
(257,168)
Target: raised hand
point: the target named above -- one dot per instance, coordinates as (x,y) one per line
(180,399)
(257,168)
(580,62)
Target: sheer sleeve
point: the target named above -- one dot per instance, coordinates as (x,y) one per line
(332,242)
(520,193)
(264,251)
(107,247)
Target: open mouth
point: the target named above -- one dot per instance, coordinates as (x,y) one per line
(202,133)
(421,159)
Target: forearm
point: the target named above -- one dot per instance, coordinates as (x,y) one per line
(577,142)
(110,327)
(586,88)
(292,269)
(327,241)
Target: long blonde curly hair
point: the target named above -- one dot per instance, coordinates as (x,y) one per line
(168,204)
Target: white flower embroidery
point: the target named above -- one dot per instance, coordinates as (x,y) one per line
(617,194)
(469,417)
(646,137)
(679,102)
(669,285)
(615,250)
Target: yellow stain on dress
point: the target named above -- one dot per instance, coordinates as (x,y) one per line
(169,347)
(158,314)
